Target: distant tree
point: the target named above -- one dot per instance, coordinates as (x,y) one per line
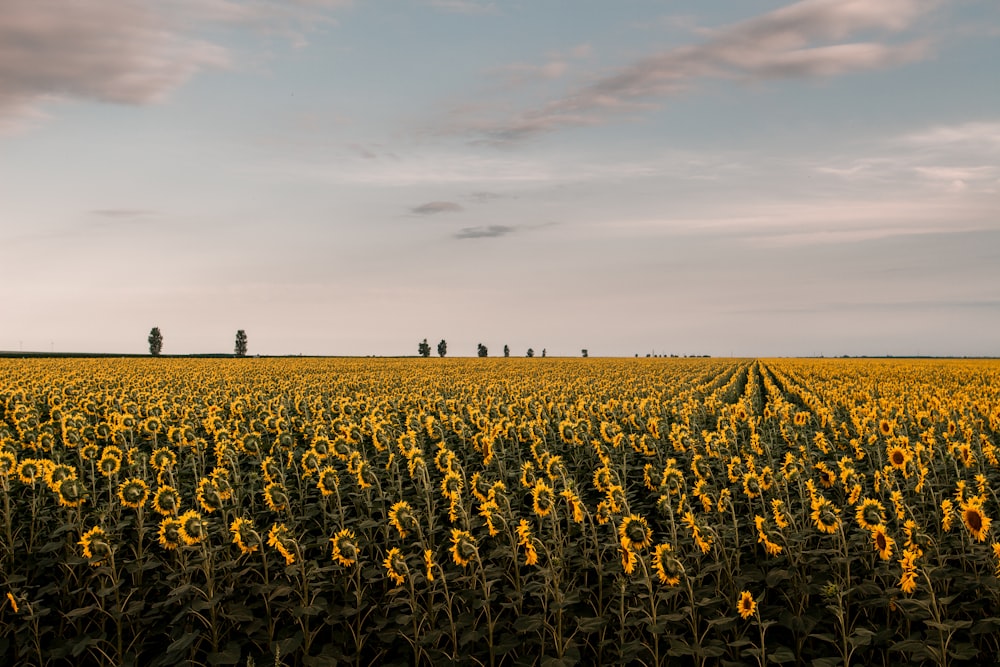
(424,349)
(506,351)
(241,343)
(584,351)
(482,351)
(531,352)
(442,348)
(543,351)
(155,341)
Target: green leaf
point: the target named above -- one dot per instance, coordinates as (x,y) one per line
(781,655)
(230,655)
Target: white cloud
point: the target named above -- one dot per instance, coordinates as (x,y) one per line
(791,42)
(132,52)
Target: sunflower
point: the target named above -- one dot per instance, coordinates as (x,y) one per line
(8,464)
(275,496)
(193,528)
(668,568)
(629,558)
(883,543)
(279,538)
(908,579)
(870,513)
(824,515)
(463,547)
(975,519)
(163,459)
(89,451)
(635,533)
(71,492)
(672,480)
(899,457)
(395,566)
(543,498)
(167,501)
(525,540)
(345,547)
(575,505)
(169,535)
(770,547)
(751,485)
(826,476)
(451,485)
(885,427)
(271,470)
(746,605)
(55,474)
(947,514)
(364,474)
(778,512)
(244,536)
(401,518)
(603,478)
(95,545)
(13,602)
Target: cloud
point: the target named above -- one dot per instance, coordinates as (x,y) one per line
(972,134)
(802,40)
(122,212)
(129,52)
(483,232)
(487,197)
(463,6)
(434,207)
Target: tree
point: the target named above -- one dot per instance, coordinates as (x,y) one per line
(482,351)
(424,349)
(241,343)
(442,348)
(506,351)
(584,351)
(155,341)
(531,352)
(543,352)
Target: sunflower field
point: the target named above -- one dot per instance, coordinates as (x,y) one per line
(499,511)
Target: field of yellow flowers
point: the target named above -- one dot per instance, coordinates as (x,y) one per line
(499,511)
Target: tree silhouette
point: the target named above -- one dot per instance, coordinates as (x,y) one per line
(531,352)
(155,341)
(543,351)
(506,351)
(442,348)
(584,351)
(241,343)
(482,351)
(424,349)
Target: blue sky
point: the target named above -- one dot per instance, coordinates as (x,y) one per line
(753,178)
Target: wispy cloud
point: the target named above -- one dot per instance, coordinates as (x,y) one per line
(484,232)
(435,207)
(118,213)
(127,52)
(807,39)
(463,6)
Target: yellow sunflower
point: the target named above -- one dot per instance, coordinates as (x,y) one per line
(281,539)
(96,547)
(401,518)
(975,519)
(525,540)
(883,543)
(167,501)
(635,533)
(192,529)
(543,498)
(169,535)
(395,566)
(133,493)
(746,606)
(244,536)
(345,547)
(668,568)
(463,547)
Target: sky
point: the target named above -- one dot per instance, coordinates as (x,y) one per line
(732,178)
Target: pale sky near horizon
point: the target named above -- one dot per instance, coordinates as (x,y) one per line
(752,178)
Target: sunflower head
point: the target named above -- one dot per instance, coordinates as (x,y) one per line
(345,547)
(169,534)
(167,501)
(463,547)
(883,543)
(96,547)
(668,568)
(395,566)
(746,606)
(192,529)
(543,498)
(634,532)
(244,536)
(275,496)
(328,480)
(401,517)
(71,492)
(208,495)
(975,520)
